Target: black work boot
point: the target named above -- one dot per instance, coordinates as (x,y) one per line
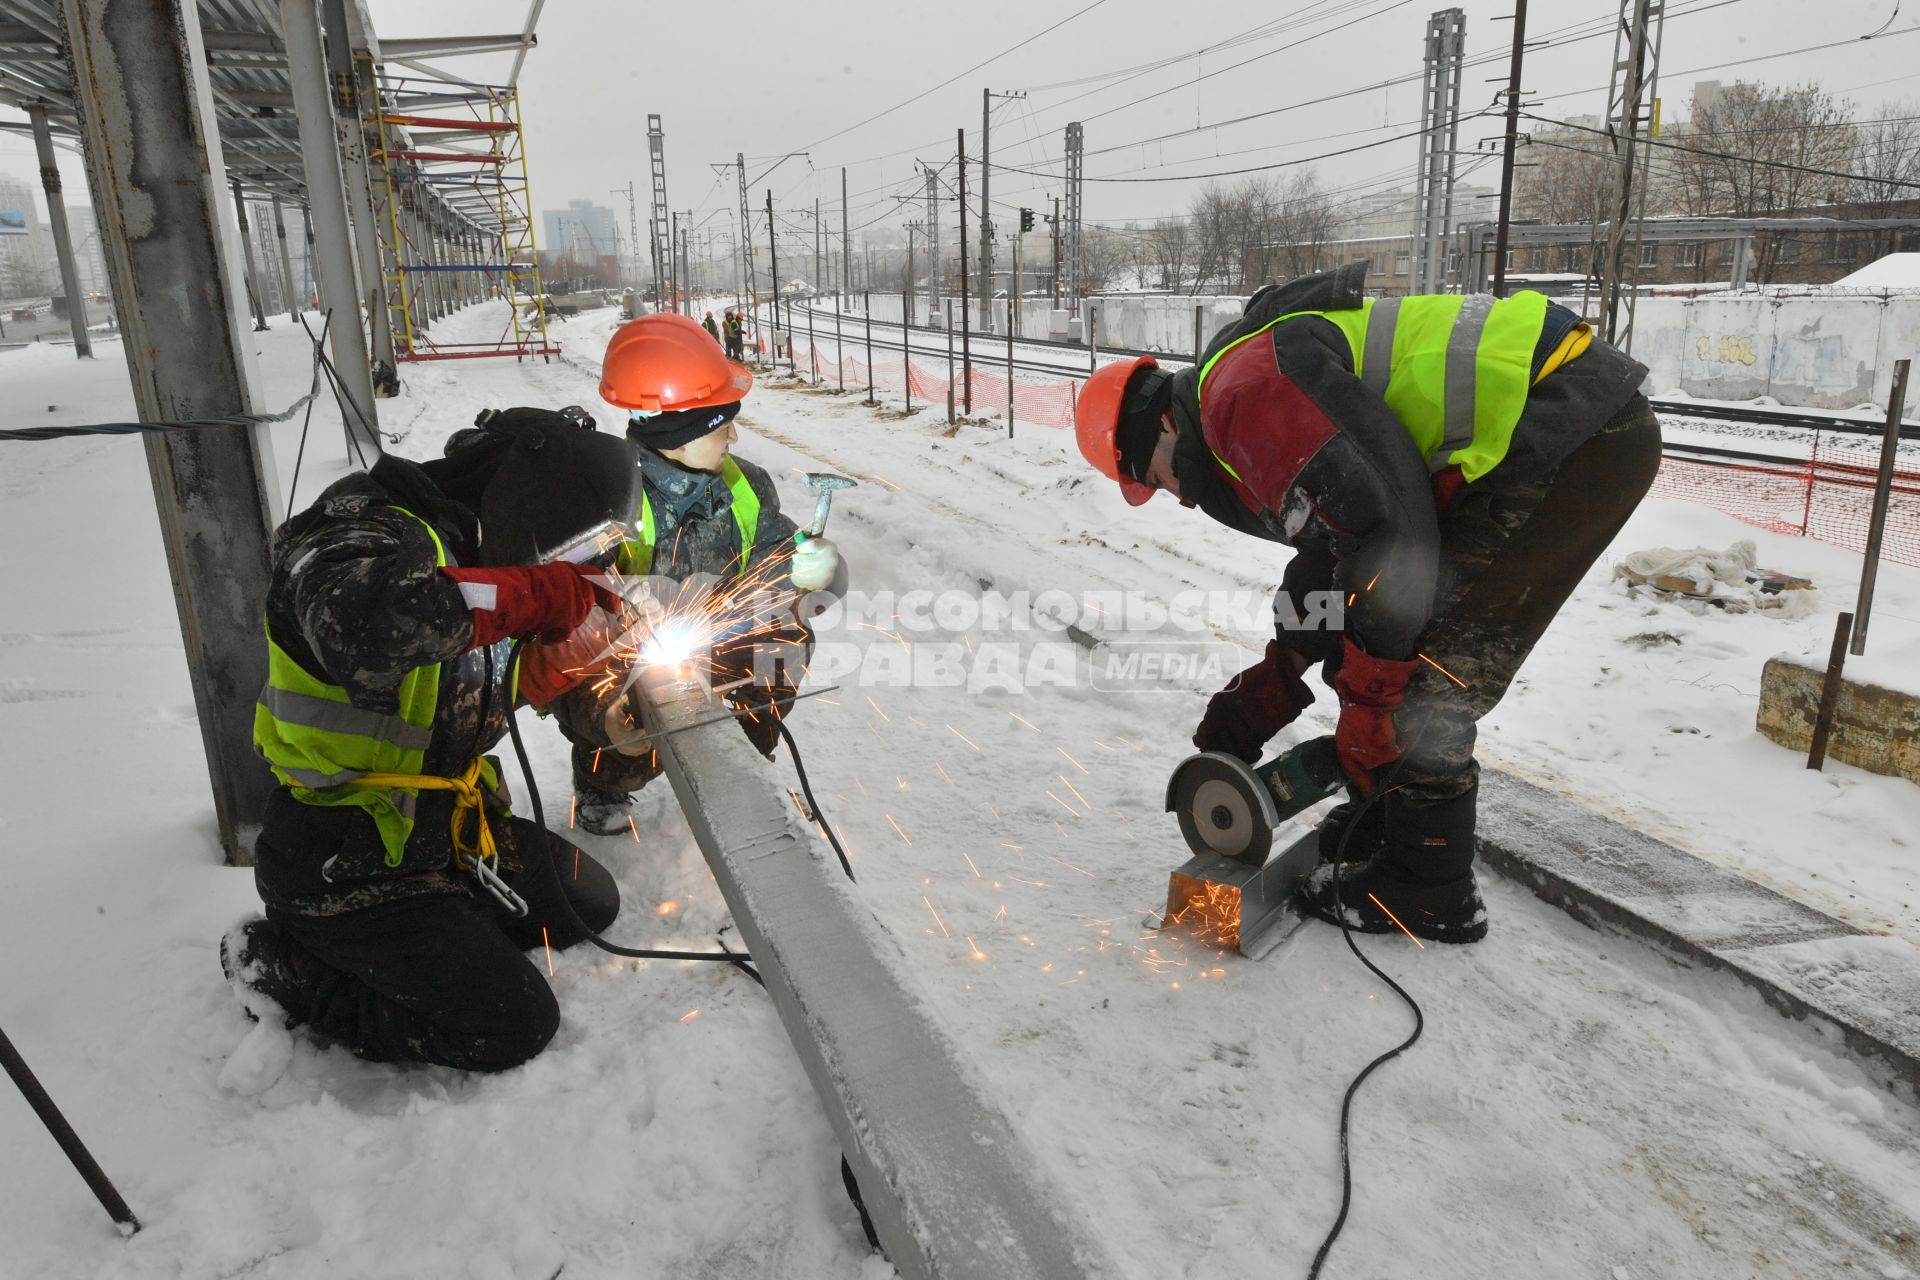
(1366,822)
(254,954)
(1420,881)
(602,812)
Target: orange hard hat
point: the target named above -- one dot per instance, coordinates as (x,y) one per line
(1096,424)
(664,362)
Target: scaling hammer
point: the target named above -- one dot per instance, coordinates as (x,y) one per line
(824,483)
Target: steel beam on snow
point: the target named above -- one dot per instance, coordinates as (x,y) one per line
(940,1169)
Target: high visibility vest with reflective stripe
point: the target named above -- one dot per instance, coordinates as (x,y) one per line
(636,557)
(1454,369)
(316,740)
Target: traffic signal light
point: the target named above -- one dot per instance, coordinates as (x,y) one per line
(1026,219)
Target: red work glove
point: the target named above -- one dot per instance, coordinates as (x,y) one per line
(1371,690)
(1261,701)
(543,600)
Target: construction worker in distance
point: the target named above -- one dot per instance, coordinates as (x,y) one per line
(713,330)
(732,330)
(710,522)
(401,894)
(1450,466)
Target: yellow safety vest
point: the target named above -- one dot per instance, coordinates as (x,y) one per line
(636,556)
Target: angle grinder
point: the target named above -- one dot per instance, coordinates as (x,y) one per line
(1229,808)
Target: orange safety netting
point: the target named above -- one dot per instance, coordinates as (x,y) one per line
(1829,496)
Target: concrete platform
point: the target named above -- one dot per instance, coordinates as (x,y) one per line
(1861,989)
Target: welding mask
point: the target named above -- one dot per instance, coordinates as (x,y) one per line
(549,489)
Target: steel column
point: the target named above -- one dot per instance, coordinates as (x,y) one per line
(154,160)
(327,208)
(254,292)
(350,124)
(286,261)
(62,238)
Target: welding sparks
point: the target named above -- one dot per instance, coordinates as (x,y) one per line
(1070,760)
(1023,720)
(936,916)
(549,946)
(635,830)
(896,829)
(1396,919)
(978,954)
(1376,578)
(1076,791)
(1443,671)
(963,737)
(1063,804)
(690,1015)
(667,908)
(975,870)
(943,773)
(573,811)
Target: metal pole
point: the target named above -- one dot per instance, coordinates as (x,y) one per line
(846,241)
(906,323)
(866,305)
(154,163)
(1198,329)
(286,262)
(253,272)
(986,217)
(76,1150)
(1010,367)
(813,352)
(1056,253)
(1882,495)
(320,154)
(62,238)
(966,366)
(949,315)
(1829,692)
(353,76)
(773,248)
(1513,140)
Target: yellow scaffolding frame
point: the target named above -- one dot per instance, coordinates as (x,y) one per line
(498,175)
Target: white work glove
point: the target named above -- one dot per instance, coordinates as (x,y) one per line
(815,561)
(624,735)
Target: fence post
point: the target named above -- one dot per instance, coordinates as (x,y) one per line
(1199,309)
(1010,314)
(1830,691)
(813,349)
(1882,494)
(866,306)
(906,339)
(1093,345)
(949,315)
(839,347)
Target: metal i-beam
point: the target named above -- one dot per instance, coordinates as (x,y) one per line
(62,238)
(327,209)
(159,186)
(658,225)
(943,1174)
(1439,143)
(1076,283)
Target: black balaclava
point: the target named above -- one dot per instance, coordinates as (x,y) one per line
(670,430)
(1145,401)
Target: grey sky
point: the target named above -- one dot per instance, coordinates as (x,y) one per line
(768,78)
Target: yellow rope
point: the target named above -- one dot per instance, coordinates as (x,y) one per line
(468,798)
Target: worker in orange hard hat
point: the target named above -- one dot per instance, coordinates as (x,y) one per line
(704,514)
(713,330)
(1446,469)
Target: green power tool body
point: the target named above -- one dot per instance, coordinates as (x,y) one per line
(1229,808)
(1230,894)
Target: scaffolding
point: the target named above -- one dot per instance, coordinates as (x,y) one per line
(472,155)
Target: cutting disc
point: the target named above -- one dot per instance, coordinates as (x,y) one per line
(1222,808)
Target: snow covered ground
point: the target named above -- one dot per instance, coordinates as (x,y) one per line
(1577,1106)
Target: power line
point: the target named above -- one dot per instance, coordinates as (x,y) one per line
(1718,155)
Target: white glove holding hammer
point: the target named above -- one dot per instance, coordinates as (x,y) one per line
(815,561)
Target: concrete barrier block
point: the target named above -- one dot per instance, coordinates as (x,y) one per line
(1874,728)
(1731,348)
(1824,351)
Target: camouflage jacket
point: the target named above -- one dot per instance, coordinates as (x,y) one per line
(356,600)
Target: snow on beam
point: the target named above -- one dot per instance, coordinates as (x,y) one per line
(946,1181)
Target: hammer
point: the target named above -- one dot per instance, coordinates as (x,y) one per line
(824,483)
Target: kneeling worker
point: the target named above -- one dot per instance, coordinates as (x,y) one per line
(401,896)
(702,515)
(1451,467)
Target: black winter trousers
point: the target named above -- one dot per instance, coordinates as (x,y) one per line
(442,977)
(1511,552)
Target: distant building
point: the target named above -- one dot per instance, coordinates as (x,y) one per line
(27,268)
(583,239)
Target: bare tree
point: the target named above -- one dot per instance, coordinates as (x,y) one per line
(1301,221)
(1216,216)
(1104,254)
(1171,244)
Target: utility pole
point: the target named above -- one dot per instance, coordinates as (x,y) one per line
(819,240)
(1056,252)
(986,216)
(846,243)
(1076,282)
(1636,67)
(1439,143)
(145,112)
(630,273)
(662,243)
(966,366)
(773,247)
(746,237)
(1513,140)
